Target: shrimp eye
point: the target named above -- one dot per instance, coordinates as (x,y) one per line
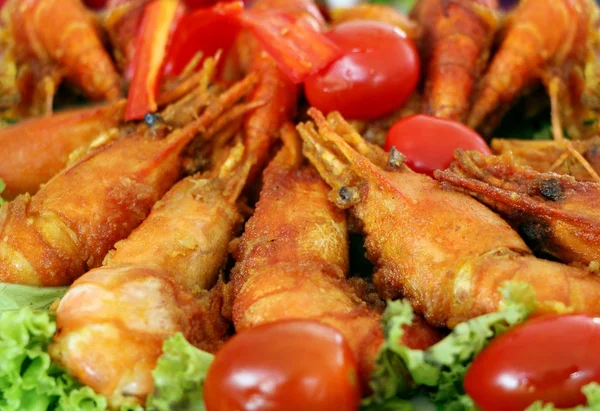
(395,158)
(151,119)
(551,189)
(345,193)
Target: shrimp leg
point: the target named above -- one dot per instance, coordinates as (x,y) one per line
(442,250)
(113,320)
(552,156)
(76,218)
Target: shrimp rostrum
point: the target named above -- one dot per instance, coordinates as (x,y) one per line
(68,226)
(556,214)
(113,320)
(442,250)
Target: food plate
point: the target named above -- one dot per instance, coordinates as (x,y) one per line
(280,205)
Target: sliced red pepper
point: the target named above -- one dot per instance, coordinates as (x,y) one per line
(159,18)
(293,42)
(204,30)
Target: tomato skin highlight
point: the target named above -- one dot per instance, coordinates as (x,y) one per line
(548,358)
(429,142)
(285,365)
(377,73)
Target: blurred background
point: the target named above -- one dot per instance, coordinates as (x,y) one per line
(404,5)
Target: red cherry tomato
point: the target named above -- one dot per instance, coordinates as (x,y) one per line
(287,365)
(429,142)
(377,73)
(549,358)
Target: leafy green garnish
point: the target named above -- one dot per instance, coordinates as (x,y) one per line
(179,376)
(2,187)
(403,5)
(439,371)
(591,392)
(16,296)
(29,380)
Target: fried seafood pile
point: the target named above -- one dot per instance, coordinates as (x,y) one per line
(153,223)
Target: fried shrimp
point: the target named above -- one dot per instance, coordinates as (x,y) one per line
(292,261)
(46,54)
(442,250)
(457,38)
(113,320)
(67,228)
(557,215)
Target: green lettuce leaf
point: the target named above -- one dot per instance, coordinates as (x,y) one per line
(16,296)
(591,392)
(29,380)
(402,372)
(179,376)
(2,187)
(403,5)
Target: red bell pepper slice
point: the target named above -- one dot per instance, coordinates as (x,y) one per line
(293,42)
(159,18)
(207,30)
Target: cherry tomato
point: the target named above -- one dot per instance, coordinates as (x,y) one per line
(548,358)
(429,142)
(377,73)
(286,365)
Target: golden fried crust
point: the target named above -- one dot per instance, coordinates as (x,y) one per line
(551,155)
(72,222)
(292,261)
(449,254)
(33,151)
(76,49)
(556,214)
(112,324)
(187,233)
(276,90)
(457,37)
(546,40)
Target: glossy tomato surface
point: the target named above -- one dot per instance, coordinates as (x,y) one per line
(549,358)
(288,365)
(377,73)
(429,142)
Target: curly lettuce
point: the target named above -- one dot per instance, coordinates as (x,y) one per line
(438,372)
(2,187)
(29,379)
(17,296)
(179,376)
(591,392)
